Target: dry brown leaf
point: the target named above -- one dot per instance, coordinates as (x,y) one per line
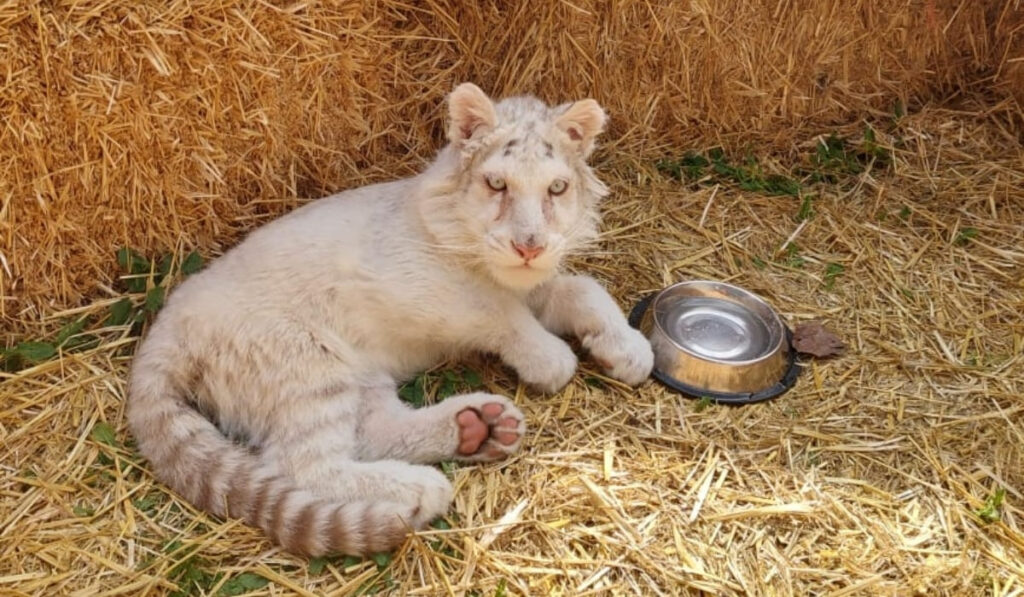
(813,338)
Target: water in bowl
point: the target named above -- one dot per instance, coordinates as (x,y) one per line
(715,328)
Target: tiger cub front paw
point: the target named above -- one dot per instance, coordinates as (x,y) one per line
(549,366)
(624,354)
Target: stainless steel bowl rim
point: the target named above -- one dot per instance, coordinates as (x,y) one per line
(738,398)
(746,294)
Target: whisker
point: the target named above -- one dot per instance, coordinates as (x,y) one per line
(446,246)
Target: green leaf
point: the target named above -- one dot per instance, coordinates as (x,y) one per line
(69,330)
(191,578)
(693,165)
(132,262)
(350,561)
(806,209)
(36,352)
(793,258)
(439,544)
(690,167)
(243,583)
(473,378)
(412,392)
(189,574)
(832,271)
(145,504)
(379,582)
(155,299)
(702,404)
(966,235)
(136,284)
(381,559)
(140,265)
(752,185)
(832,157)
(192,263)
(124,258)
(869,134)
(120,312)
(992,509)
(82,511)
(172,546)
(103,433)
(448,383)
(317,566)
(777,184)
(11,361)
(82,342)
(500,590)
(670,168)
(758,262)
(163,268)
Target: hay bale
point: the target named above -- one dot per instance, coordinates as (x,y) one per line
(163,124)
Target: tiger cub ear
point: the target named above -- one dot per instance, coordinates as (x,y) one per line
(470,113)
(582,122)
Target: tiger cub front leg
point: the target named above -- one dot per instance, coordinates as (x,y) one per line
(540,358)
(580,306)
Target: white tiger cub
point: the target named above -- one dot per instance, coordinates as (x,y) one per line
(266,387)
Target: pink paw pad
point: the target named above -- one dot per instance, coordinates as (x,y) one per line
(477,426)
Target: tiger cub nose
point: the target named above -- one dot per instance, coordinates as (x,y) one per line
(528,250)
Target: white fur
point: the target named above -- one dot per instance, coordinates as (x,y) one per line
(296,338)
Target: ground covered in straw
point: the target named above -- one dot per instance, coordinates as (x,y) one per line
(894,469)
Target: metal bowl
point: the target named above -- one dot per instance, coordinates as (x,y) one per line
(717,340)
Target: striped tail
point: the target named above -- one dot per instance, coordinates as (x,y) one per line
(191,455)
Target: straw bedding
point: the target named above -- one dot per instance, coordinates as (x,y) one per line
(876,475)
